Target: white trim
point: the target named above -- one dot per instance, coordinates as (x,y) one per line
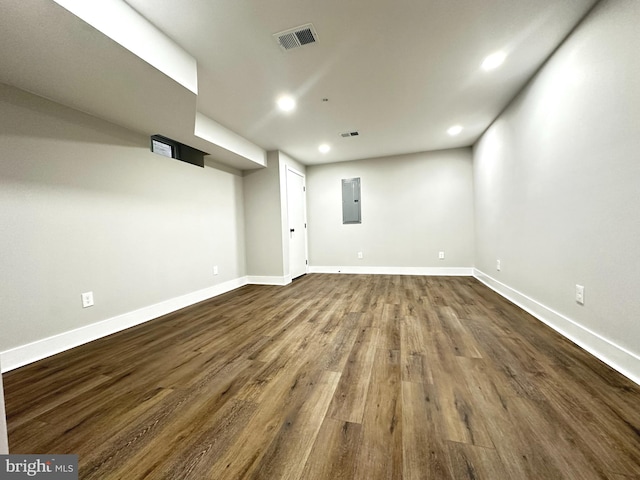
(617,357)
(297,172)
(431,271)
(269,280)
(31,352)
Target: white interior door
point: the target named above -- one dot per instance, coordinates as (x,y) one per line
(296,207)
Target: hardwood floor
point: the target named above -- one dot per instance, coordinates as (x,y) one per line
(333,377)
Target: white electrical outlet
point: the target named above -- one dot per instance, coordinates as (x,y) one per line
(498,265)
(580,294)
(441,255)
(87,299)
(359,254)
(215,270)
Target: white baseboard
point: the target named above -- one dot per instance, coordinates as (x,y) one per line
(617,357)
(31,352)
(431,271)
(269,280)
(620,359)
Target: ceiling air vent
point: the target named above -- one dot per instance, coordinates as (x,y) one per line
(355,133)
(296,37)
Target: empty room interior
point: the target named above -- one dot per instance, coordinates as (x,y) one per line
(321,240)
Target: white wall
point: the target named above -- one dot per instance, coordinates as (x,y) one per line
(413,206)
(557,185)
(263,220)
(266,220)
(85,206)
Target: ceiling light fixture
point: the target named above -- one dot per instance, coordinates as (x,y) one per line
(286,103)
(493,61)
(324,148)
(454,130)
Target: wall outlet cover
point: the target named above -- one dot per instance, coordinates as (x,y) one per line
(580,294)
(87,299)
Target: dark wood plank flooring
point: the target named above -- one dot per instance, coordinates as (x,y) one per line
(333,377)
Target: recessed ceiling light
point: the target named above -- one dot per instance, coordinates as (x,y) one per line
(324,148)
(286,103)
(454,130)
(493,61)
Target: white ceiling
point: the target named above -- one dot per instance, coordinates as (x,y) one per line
(400,72)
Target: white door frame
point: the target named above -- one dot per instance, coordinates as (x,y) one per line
(304,209)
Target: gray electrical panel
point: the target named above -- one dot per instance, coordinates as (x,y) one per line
(351,212)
